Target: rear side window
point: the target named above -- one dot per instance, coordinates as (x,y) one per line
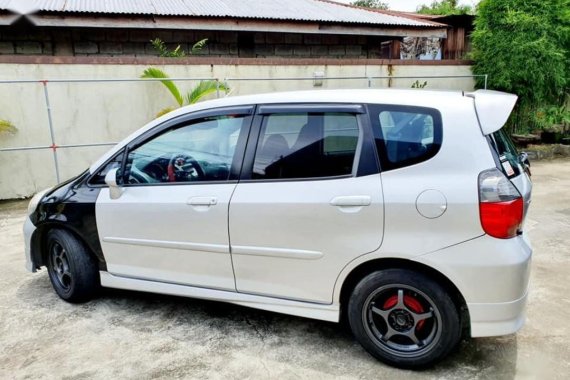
(405,135)
(508,155)
(306,145)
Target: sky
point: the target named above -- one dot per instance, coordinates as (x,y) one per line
(409,5)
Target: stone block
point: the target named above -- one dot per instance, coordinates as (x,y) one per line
(302,50)
(85,48)
(264,50)
(47,48)
(319,51)
(134,48)
(63,48)
(150,50)
(28,48)
(353,50)
(110,48)
(6,48)
(337,50)
(284,50)
(220,49)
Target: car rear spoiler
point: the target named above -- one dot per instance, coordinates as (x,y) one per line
(493,108)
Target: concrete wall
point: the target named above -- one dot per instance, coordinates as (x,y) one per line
(108,111)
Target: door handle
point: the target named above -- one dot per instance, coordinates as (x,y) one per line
(351,201)
(202,201)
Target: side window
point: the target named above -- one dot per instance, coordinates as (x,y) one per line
(202,150)
(405,135)
(306,145)
(99,177)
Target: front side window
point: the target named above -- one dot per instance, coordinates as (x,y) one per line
(202,150)
(306,145)
(405,135)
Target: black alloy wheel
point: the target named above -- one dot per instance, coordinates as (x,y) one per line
(404,318)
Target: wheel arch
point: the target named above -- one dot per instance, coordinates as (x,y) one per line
(39,243)
(373,265)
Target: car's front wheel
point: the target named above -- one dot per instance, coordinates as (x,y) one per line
(404,318)
(73,272)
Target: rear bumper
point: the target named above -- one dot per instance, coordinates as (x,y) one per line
(29,229)
(493,276)
(492,319)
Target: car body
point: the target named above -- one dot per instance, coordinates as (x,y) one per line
(306,203)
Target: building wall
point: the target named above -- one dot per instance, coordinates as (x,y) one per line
(102,112)
(136,42)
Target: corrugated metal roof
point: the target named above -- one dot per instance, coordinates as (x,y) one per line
(296,10)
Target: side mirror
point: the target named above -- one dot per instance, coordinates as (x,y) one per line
(115,190)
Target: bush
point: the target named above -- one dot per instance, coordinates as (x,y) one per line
(523,46)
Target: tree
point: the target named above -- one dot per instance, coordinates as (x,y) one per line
(203,89)
(377,4)
(178,52)
(523,45)
(445,8)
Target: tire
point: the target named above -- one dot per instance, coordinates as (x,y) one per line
(404,318)
(73,272)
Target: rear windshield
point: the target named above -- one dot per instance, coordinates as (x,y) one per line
(508,155)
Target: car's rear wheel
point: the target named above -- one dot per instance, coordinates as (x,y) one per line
(404,318)
(73,272)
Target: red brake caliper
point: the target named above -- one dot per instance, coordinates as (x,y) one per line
(410,302)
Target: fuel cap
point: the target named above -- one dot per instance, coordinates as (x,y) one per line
(431,204)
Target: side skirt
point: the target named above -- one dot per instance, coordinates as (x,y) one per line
(328,313)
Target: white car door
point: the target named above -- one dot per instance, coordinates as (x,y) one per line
(170,224)
(308,202)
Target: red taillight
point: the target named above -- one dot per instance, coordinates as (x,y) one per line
(500,205)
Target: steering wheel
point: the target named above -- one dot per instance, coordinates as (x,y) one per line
(183,168)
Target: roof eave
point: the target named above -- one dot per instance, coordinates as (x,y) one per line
(231,24)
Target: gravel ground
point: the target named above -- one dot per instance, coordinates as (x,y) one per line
(142,336)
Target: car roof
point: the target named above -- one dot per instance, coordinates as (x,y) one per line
(412,97)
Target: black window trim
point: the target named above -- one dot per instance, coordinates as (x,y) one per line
(365,158)
(267,109)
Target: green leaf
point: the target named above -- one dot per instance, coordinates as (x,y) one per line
(154,73)
(199,46)
(204,89)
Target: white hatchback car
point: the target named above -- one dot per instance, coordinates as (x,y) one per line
(401,210)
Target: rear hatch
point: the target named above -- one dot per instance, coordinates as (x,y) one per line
(493,109)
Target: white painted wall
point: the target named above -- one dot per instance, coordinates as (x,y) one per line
(108,111)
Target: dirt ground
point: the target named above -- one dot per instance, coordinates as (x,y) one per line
(142,336)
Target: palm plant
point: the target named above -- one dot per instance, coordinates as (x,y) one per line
(6,127)
(197,93)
